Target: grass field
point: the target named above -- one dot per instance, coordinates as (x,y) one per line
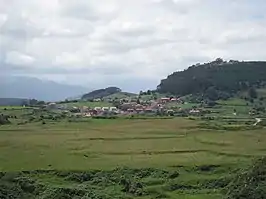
(110,143)
(12,107)
(121,95)
(163,147)
(89,104)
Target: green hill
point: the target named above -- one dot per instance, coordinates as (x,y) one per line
(121,95)
(216,80)
(100,93)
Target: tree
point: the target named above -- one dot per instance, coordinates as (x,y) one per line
(25,103)
(211,103)
(252,93)
(33,102)
(4,120)
(40,103)
(219,61)
(117,104)
(211,93)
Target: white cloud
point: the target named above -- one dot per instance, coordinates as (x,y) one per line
(17,58)
(121,41)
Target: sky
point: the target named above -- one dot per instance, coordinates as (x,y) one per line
(132,44)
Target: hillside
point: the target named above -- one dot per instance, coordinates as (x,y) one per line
(100,93)
(121,95)
(217,78)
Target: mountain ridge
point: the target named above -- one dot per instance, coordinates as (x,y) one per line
(33,88)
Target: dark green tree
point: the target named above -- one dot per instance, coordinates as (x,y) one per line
(149,92)
(252,93)
(4,119)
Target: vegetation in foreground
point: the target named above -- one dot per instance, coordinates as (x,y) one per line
(206,181)
(122,158)
(249,183)
(119,183)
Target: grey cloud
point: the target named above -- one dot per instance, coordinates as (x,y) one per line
(83,9)
(19,28)
(107,69)
(120,46)
(78,9)
(122,38)
(180,7)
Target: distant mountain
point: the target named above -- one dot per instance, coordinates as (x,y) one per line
(28,87)
(12,101)
(100,93)
(217,79)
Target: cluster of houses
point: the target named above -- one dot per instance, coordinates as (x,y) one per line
(125,107)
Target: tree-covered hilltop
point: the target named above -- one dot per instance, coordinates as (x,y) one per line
(100,93)
(215,79)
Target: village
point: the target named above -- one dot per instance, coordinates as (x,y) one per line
(165,106)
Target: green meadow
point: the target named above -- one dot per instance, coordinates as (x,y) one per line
(125,158)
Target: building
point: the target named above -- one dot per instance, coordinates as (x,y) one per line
(165,99)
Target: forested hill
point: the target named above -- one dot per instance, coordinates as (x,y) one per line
(100,93)
(220,76)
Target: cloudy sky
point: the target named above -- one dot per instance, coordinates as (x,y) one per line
(129,43)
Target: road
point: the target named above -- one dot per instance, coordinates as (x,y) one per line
(258,120)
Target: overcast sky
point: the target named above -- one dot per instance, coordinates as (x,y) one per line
(132,44)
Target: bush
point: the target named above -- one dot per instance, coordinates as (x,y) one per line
(104,117)
(12,186)
(250,183)
(32,118)
(4,119)
(173,175)
(129,186)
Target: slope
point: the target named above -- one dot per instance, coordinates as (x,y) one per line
(100,93)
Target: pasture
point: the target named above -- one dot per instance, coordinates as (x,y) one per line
(107,144)
(168,158)
(88,104)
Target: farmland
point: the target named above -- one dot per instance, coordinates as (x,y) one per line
(89,104)
(162,158)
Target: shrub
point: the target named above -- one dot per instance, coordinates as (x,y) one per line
(4,119)
(173,175)
(129,186)
(250,183)
(32,118)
